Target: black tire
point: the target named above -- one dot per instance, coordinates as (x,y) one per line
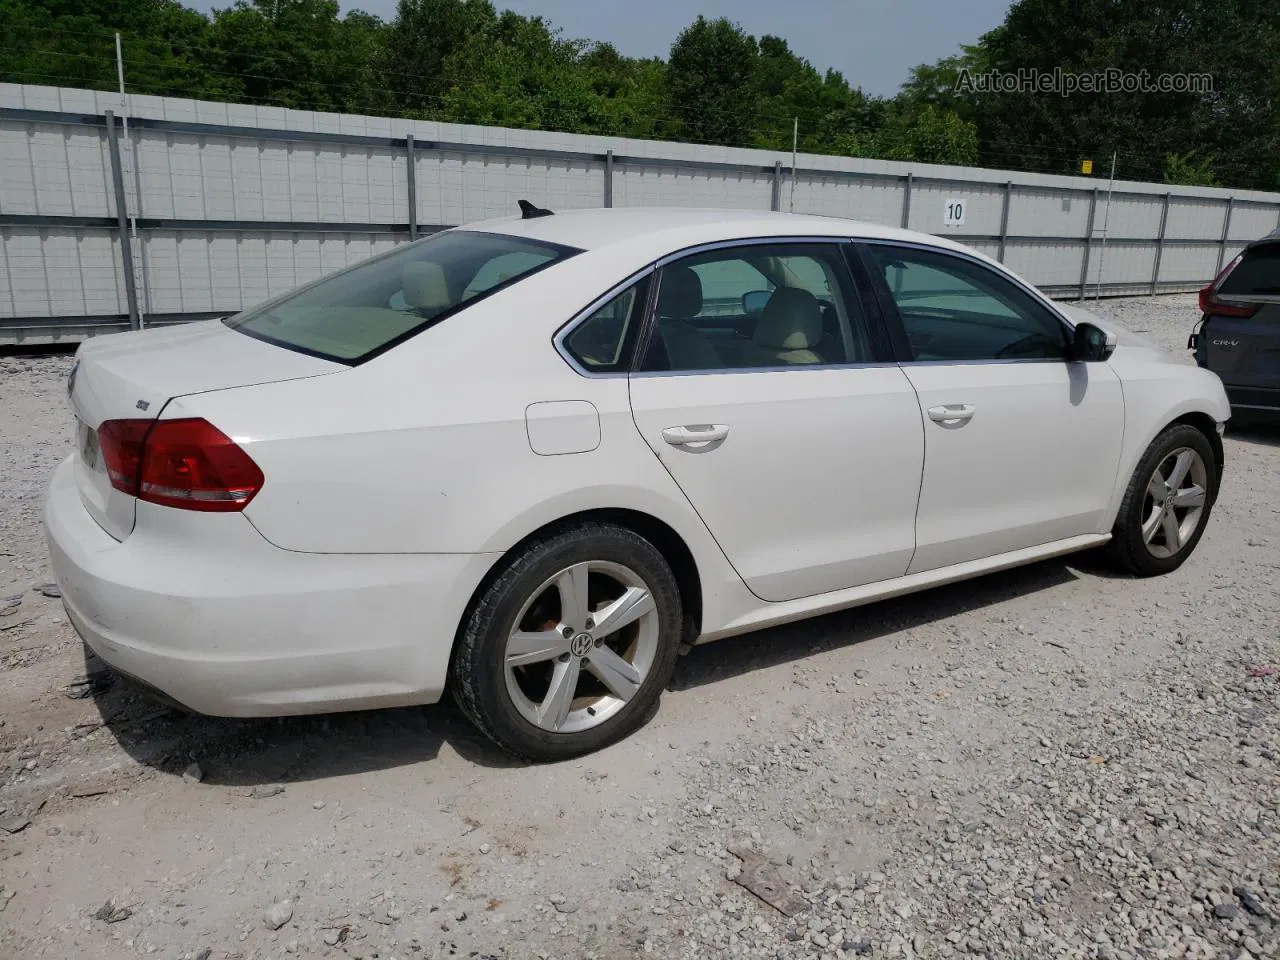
(1128,548)
(478,676)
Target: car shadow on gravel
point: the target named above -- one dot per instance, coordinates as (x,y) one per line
(263,753)
(1256,430)
(733,657)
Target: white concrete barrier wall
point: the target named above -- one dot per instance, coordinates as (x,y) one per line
(229,204)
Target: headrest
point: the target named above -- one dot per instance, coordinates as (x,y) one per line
(424,286)
(792,320)
(680,296)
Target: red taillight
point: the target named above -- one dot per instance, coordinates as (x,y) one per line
(120,442)
(1210,302)
(189,464)
(1206,298)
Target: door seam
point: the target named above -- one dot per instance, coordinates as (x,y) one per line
(924,465)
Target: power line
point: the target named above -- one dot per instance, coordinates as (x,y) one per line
(660,126)
(653,124)
(882,137)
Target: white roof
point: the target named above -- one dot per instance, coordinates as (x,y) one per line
(593,228)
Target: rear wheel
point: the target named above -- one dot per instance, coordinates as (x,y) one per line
(569,648)
(1167,504)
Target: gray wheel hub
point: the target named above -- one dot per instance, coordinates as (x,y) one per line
(1173,507)
(584,643)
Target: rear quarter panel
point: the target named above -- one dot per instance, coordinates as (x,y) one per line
(426,450)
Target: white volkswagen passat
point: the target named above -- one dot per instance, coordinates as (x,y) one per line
(528,459)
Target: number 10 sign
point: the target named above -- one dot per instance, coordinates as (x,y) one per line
(953,212)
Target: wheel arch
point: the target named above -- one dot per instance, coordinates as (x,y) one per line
(662,535)
(1153,404)
(1205,423)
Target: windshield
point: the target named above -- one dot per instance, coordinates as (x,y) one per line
(360,312)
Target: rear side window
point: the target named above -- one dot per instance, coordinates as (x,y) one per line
(602,342)
(766,305)
(1257,273)
(360,312)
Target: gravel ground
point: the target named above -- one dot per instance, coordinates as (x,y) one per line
(1052,762)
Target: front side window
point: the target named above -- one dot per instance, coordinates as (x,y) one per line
(356,313)
(956,309)
(767,305)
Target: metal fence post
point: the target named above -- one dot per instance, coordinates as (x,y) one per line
(1088,242)
(122,222)
(1226,230)
(411,181)
(608,178)
(775,202)
(906,204)
(1004,218)
(1164,220)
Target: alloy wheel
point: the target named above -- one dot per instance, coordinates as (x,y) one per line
(1174,504)
(583,644)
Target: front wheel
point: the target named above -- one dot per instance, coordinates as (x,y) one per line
(1167,504)
(570,647)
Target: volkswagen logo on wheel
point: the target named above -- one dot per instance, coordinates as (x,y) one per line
(581,645)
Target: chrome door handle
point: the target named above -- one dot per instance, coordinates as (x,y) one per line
(695,434)
(952,414)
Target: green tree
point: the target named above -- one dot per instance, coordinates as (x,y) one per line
(935,84)
(299,53)
(926,134)
(1185,170)
(425,51)
(518,72)
(633,93)
(1238,120)
(72,43)
(788,87)
(710,75)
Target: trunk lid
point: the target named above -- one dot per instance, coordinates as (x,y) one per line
(131,376)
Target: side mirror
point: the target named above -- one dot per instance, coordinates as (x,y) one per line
(753,303)
(1092,344)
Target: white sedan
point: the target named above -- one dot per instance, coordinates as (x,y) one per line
(528,460)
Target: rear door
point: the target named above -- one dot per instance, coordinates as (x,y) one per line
(1021,446)
(796,440)
(1241,336)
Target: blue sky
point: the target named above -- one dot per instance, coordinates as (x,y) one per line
(874,43)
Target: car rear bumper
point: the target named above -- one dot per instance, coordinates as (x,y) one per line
(202,608)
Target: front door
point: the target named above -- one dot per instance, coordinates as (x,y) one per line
(1021,446)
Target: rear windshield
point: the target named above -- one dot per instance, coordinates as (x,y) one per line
(360,312)
(1257,274)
